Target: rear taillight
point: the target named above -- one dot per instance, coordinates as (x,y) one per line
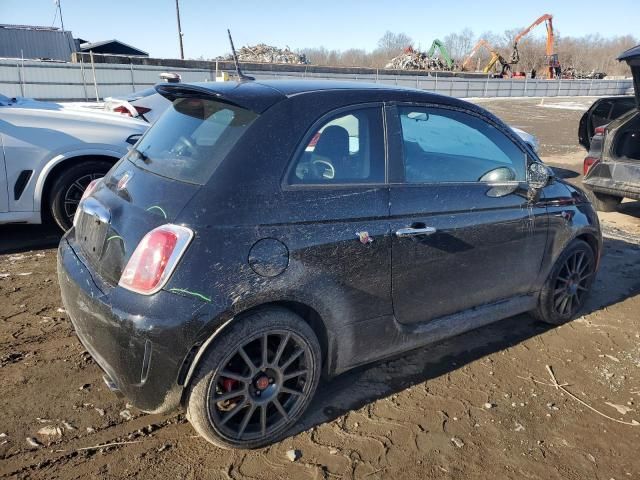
(588,163)
(600,130)
(122,110)
(141,110)
(155,258)
(87,191)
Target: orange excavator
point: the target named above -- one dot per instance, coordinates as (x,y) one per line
(553,64)
(495,58)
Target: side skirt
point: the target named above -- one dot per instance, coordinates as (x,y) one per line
(383,337)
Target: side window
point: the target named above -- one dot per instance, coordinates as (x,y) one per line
(441,145)
(621,107)
(600,114)
(348,148)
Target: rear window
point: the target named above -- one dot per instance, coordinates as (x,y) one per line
(190,140)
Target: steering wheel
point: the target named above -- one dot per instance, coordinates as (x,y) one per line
(329,170)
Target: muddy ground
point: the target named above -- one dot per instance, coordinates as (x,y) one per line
(470,407)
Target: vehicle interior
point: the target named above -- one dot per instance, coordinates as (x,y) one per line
(344,150)
(439,148)
(627,140)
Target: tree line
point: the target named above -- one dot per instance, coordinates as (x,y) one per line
(590,53)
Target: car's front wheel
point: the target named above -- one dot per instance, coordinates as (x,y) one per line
(255,380)
(568,285)
(68,187)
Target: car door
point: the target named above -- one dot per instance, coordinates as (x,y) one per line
(463,232)
(337,225)
(4,194)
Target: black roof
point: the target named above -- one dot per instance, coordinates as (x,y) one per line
(115,47)
(632,53)
(260,95)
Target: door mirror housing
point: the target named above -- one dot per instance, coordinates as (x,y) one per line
(539,175)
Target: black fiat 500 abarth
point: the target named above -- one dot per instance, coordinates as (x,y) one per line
(265,233)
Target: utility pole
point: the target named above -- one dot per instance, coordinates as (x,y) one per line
(179,30)
(60,12)
(72,47)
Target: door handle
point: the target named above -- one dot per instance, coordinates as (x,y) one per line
(413,231)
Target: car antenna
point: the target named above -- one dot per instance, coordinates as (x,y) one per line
(241,75)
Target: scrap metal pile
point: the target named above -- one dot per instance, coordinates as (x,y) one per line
(263,53)
(573,73)
(411,59)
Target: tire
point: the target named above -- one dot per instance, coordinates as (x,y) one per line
(603,202)
(572,275)
(236,405)
(68,187)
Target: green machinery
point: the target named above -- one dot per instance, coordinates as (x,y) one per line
(444,54)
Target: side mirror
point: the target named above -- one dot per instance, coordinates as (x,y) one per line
(539,175)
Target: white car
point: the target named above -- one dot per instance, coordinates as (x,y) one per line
(50,153)
(528,138)
(146,104)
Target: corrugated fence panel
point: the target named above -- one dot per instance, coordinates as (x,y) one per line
(74,81)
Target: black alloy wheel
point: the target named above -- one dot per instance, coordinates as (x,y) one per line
(74,192)
(262,383)
(568,284)
(69,185)
(256,379)
(572,283)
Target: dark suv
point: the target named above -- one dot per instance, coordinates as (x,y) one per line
(612,166)
(262,234)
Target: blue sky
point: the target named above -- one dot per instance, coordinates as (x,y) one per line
(335,24)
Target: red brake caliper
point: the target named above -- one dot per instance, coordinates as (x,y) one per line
(229,384)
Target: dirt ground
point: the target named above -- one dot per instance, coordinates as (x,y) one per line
(480,405)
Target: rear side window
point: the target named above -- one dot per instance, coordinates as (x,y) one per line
(191,139)
(441,145)
(347,149)
(622,106)
(600,114)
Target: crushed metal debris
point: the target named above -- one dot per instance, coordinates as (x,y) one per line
(412,59)
(263,53)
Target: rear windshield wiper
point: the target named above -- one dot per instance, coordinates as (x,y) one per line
(141,155)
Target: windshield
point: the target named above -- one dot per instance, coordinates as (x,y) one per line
(191,139)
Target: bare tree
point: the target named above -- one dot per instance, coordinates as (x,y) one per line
(460,44)
(394,42)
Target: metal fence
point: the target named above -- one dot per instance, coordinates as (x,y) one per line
(88,81)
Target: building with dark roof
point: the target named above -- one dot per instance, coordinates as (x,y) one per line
(112,47)
(50,43)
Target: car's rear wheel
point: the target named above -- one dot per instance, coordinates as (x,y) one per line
(67,189)
(603,202)
(255,380)
(568,285)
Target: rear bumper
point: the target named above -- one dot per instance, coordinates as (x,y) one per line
(139,342)
(610,187)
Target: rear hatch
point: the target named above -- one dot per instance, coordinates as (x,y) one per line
(154,182)
(632,57)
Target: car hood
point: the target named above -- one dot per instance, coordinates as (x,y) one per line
(77,113)
(632,57)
